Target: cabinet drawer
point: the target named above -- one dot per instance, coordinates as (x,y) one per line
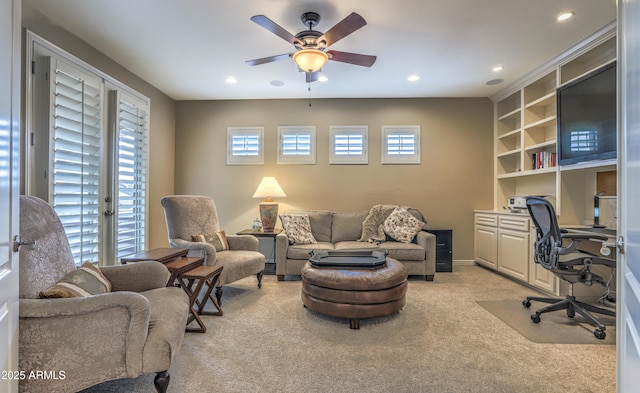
(487,219)
(515,223)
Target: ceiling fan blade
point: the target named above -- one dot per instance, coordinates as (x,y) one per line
(352,58)
(275,29)
(269,59)
(342,29)
(312,76)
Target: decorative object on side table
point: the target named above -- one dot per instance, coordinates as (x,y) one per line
(269,189)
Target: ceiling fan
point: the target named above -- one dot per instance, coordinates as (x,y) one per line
(311,45)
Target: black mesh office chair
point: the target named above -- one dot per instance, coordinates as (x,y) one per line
(567,263)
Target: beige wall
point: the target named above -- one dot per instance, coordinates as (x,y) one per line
(454,178)
(161,139)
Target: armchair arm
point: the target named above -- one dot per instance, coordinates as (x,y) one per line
(243,242)
(206,248)
(137,276)
(67,333)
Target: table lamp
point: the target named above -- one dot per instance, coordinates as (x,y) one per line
(269,189)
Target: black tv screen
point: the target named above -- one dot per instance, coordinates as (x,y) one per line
(586,117)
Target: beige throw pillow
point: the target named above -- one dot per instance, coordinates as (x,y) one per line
(298,229)
(402,226)
(218,240)
(87,280)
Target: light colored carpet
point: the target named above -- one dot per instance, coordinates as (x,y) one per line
(553,328)
(442,341)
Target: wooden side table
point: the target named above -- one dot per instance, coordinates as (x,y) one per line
(269,268)
(175,259)
(200,276)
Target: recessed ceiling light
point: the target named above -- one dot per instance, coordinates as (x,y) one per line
(413,78)
(231,80)
(498,68)
(494,82)
(322,78)
(277,83)
(564,16)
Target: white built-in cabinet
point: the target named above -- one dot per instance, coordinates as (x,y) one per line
(504,243)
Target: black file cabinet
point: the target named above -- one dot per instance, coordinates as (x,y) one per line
(444,249)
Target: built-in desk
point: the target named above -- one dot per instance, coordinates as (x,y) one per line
(609,232)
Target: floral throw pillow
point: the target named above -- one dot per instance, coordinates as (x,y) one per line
(401,226)
(218,240)
(297,228)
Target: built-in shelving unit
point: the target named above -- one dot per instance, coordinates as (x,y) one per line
(525,128)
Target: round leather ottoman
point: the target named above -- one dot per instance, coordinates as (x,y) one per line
(355,293)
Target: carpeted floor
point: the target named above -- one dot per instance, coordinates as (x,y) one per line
(442,341)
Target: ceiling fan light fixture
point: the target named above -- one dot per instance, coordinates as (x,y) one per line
(310,60)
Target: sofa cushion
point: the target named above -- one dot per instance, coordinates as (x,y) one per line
(302,251)
(320,221)
(404,251)
(218,240)
(87,280)
(355,245)
(402,226)
(347,226)
(297,228)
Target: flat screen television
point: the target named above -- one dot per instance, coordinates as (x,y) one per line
(586,117)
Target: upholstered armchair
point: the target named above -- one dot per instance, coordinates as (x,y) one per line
(190,216)
(135,327)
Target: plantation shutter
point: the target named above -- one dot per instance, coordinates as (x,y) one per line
(76,151)
(131,172)
(401,144)
(297,145)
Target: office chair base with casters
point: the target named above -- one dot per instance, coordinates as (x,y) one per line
(572,306)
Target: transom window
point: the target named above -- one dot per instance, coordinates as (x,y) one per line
(400,144)
(348,145)
(297,145)
(245,146)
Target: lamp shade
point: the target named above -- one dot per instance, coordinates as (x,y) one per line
(310,60)
(269,189)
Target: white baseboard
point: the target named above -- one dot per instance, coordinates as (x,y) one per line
(464,262)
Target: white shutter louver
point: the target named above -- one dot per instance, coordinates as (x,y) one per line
(76,128)
(131,178)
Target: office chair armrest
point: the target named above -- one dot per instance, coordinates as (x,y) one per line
(581,237)
(576,239)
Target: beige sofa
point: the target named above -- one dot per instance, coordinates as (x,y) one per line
(341,231)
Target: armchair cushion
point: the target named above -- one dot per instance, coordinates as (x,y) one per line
(298,228)
(86,281)
(402,226)
(218,240)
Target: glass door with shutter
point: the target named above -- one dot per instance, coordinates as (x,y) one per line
(87,155)
(127,186)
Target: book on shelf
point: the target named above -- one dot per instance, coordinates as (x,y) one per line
(543,159)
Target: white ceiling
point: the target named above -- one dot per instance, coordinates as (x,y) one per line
(186,48)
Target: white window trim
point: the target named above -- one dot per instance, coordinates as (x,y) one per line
(308,159)
(246,159)
(354,159)
(400,159)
